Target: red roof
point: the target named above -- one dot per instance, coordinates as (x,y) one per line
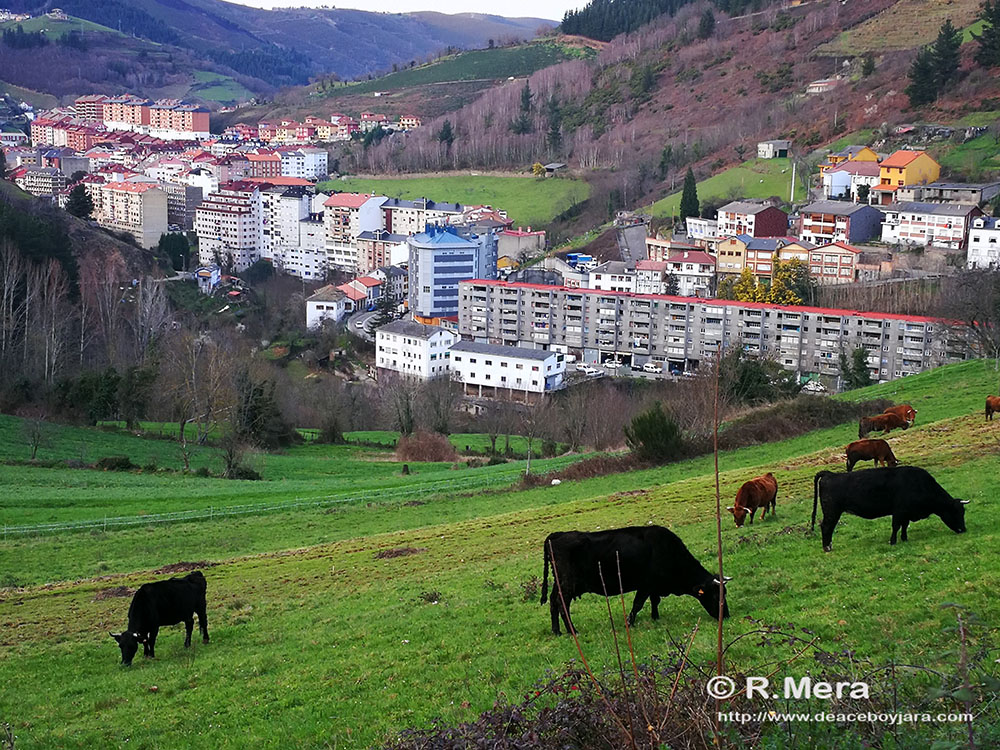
(699,300)
(692,256)
(347,200)
(841,245)
(863,168)
(368,281)
(351,292)
(651,265)
(901,158)
(279,181)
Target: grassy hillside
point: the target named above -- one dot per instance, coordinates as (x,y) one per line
(904,25)
(756,178)
(57,28)
(218,88)
(474,65)
(335,645)
(527,200)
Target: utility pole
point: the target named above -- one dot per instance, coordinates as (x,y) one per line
(791,197)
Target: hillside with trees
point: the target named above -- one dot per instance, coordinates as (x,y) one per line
(661,100)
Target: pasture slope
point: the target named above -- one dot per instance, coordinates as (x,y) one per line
(319,642)
(528,201)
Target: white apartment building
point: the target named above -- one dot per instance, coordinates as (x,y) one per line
(308,163)
(694,271)
(613,276)
(326,303)
(413,349)
(514,372)
(347,215)
(701,231)
(229,225)
(412,217)
(984,243)
(138,208)
(940,224)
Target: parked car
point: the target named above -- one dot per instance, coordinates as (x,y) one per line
(652,367)
(590,371)
(612,364)
(359,324)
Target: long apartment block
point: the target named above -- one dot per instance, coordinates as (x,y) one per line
(688,332)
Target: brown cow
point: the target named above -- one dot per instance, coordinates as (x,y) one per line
(905,411)
(992,406)
(760,492)
(883,422)
(870,450)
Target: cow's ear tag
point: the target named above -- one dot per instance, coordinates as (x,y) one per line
(701,592)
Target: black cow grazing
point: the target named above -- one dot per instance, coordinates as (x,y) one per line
(652,561)
(163,603)
(907,493)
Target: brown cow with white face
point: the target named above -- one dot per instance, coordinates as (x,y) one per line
(760,492)
(903,411)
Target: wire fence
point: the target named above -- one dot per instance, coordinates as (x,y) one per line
(408,492)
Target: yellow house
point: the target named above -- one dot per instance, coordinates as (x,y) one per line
(731,255)
(505,262)
(798,250)
(851,153)
(903,168)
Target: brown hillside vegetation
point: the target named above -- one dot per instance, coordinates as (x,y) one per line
(709,101)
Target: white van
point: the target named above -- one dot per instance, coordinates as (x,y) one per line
(654,367)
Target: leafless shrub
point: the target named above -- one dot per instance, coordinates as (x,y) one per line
(386,554)
(425,446)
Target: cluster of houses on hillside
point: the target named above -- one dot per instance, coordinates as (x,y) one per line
(472,310)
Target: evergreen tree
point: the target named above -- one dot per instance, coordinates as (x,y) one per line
(385,308)
(863,192)
(923,79)
(689,197)
(854,372)
(79,203)
(526,97)
(867,64)
(671,286)
(666,157)
(175,246)
(706,26)
(988,53)
(554,136)
(945,53)
(446,135)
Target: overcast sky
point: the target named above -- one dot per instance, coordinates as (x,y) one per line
(551,9)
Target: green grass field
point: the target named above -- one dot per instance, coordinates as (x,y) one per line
(756,178)
(982,153)
(218,88)
(55,28)
(907,24)
(319,642)
(474,65)
(529,201)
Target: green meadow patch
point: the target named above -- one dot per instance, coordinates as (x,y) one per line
(339,627)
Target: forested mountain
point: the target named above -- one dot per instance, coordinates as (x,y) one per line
(606,19)
(289,46)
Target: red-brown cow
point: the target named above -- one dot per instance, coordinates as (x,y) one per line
(760,492)
(883,422)
(904,411)
(992,406)
(870,450)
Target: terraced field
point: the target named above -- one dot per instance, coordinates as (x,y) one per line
(318,640)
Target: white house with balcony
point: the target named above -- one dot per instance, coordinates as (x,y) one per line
(939,224)
(984,243)
(413,350)
(512,372)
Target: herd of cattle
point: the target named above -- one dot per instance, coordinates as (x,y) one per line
(650,560)
(653,561)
